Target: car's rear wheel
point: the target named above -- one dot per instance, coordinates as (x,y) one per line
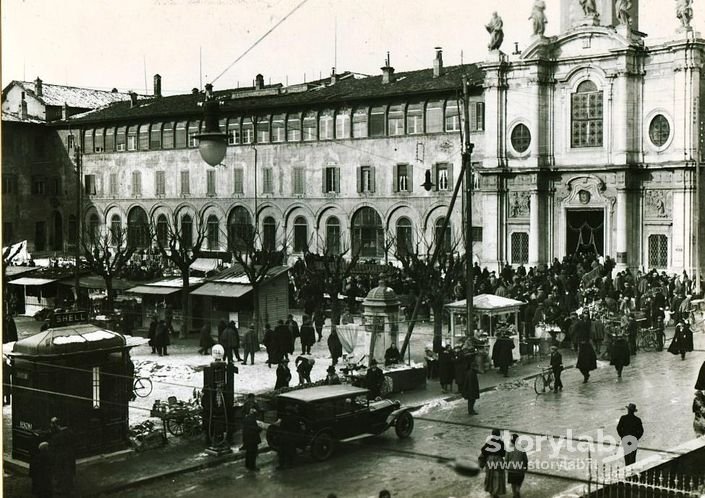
(273,438)
(404,425)
(322,446)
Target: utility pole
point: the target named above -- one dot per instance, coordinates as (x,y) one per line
(79,167)
(467,166)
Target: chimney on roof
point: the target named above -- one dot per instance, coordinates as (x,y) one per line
(65,111)
(157,85)
(259,82)
(133,99)
(333,76)
(438,63)
(39,90)
(387,72)
(23,108)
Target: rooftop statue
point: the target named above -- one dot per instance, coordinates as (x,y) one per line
(622,7)
(589,8)
(538,17)
(684,12)
(494,28)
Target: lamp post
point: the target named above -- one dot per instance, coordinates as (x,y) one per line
(79,200)
(467,154)
(212,143)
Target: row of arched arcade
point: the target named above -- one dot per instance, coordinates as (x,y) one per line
(332,229)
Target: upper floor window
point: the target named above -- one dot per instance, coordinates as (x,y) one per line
(88,141)
(434,117)
(160,182)
(136,183)
(452,115)
(113,184)
(116,238)
(194,128)
(39,186)
(263,129)
(586,114)
(404,237)
(132,138)
(331,180)
(377,121)
(325,125)
(366,179)
(213,227)
(342,123)
(144,137)
(299,186)
(333,236)
(267,181)
(414,118)
(98,141)
(395,120)
(402,178)
(168,136)
(248,131)
(187,231)
(293,127)
(238,180)
(300,234)
(109,139)
(155,136)
(120,139)
(89,184)
(234,137)
(278,129)
(185,183)
(181,135)
(9,184)
(443,176)
(477,116)
(210,182)
(359,127)
(310,126)
(269,232)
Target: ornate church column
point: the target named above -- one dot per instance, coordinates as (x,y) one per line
(534,229)
(621,232)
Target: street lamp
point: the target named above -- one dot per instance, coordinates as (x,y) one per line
(212,143)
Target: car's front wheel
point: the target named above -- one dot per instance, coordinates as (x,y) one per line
(404,425)
(322,446)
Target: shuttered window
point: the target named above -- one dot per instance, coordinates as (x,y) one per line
(210,182)
(136,183)
(238,175)
(299,181)
(160,183)
(185,183)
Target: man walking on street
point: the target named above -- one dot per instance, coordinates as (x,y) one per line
(471,387)
(557,367)
(630,426)
(587,359)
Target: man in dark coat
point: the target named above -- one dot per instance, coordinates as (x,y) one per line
(63,460)
(460,365)
(471,387)
(283,374)
(231,338)
(161,338)
(294,331)
(446,372)
(251,344)
(308,335)
(335,346)
(205,341)
(9,329)
(269,342)
(502,354)
(630,425)
(682,341)
(288,431)
(152,335)
(282,337)
(557,367)
(392,356)
(619,354)
(40,472)
(632,333)
(587,359)
(304,365)
(374,380)
(319,319)
(251,439)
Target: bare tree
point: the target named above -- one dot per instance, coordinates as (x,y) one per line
(8,254)
(434,279)
(178,245)
(257,260)
(328,271)
(107,256)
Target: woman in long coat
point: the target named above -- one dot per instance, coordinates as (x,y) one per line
(587,359)
(460,365)
(619,353)
(493,453)
(446,372)
(682,342)
(502,354)
(335,346)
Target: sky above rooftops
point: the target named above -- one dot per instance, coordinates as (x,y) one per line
(104,44)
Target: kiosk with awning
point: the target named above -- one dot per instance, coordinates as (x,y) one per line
(162,294)
(40,290)
(228,296)
(77,372)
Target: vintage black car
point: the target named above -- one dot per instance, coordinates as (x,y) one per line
(321,417)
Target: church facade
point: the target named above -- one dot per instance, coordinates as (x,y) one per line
(594,142)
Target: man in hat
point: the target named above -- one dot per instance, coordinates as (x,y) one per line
(630,430)
(587,359)
(332,378)
(619,352)
(283,374)
(471,387)
(557,367)
(374,380)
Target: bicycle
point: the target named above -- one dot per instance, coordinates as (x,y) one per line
(648,340)
(544,380)
(142,387)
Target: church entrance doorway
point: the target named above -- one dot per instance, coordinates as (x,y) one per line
(585,231)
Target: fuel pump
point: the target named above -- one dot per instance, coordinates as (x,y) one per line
(217,401)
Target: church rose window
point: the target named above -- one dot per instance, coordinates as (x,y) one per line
(521,138)
(659,130)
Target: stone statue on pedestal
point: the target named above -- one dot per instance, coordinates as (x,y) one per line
(622,8)
(495,29)
(589,8)
(538,18)
(684,12)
